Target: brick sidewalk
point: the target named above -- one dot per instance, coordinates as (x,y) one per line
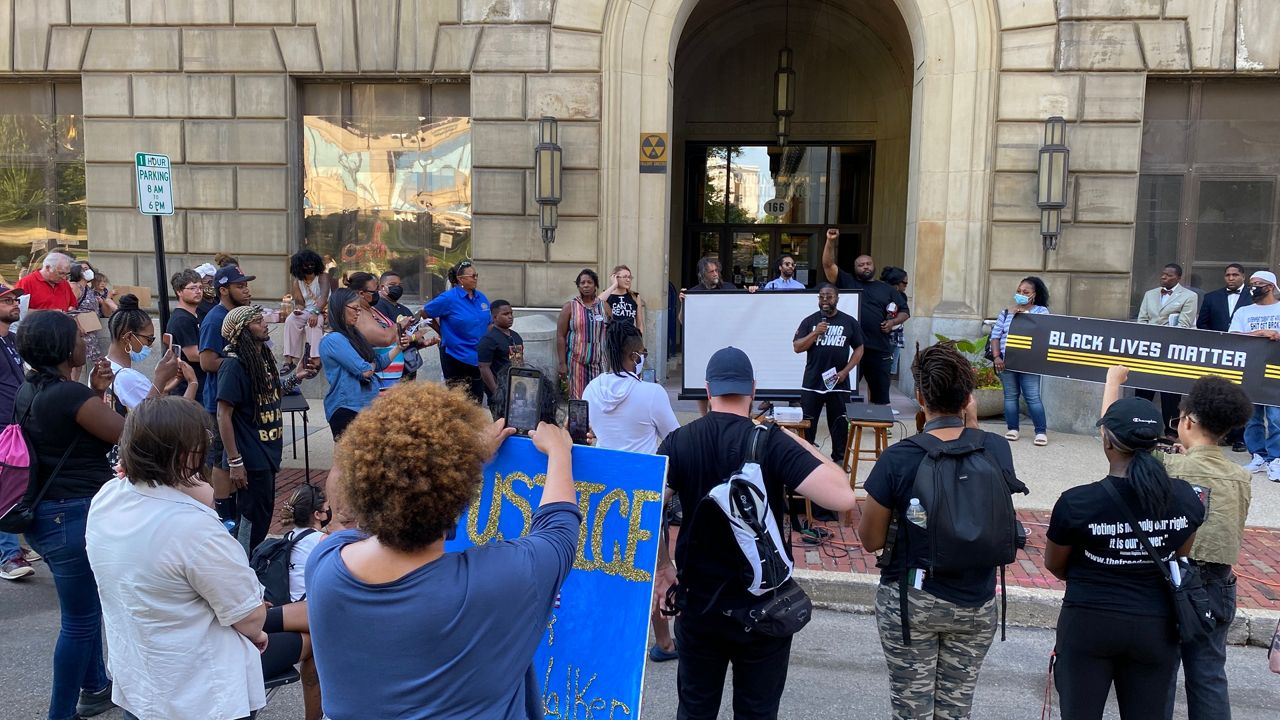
(1259,558)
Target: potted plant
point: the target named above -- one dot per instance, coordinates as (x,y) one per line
(988,391)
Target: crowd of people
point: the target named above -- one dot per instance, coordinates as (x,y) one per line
(157,490)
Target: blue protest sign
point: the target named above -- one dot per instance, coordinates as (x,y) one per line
(592,657)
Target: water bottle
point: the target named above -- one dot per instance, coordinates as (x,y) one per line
(916,514)
(230,525)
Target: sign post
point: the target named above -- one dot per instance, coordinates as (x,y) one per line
(155,198)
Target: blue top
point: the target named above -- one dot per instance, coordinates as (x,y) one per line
(1000,331)
(344,368)
(472,621)
(784,284)
(211,339)
(463,321)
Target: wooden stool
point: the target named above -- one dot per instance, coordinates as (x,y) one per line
(854,451)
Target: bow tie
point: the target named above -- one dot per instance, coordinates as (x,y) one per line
(1165,292)
(1233,292)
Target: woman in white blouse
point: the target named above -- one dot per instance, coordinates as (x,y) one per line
(183,610)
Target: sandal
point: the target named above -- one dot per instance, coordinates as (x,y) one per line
(1041,439)
(1011,436)
(657,654)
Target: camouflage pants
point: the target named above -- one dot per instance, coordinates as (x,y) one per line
(934,676)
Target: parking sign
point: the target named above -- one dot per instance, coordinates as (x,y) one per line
(155,184)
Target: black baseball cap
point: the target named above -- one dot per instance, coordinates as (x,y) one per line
(1135,423)
(231,274)
(729,372)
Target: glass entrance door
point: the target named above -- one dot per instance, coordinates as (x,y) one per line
(750,257)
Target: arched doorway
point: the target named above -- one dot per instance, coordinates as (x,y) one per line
(845,162)
(953,62)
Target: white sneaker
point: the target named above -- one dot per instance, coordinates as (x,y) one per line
(1273,471)
(896,411)
(1041,439)
(1011,436)
(1256,465)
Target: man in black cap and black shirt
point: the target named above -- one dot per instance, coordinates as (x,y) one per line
(701,455)
(832,343)
(876,307)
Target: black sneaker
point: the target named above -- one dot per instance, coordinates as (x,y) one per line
(1239,447)
(94,703)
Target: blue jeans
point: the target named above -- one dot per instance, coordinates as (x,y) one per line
(1262,434)
(58,534)
(8,546)
(1029,385)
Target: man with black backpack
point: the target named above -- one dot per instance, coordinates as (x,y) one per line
(731,479)
(939,505)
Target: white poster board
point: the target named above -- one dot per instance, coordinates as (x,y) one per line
(762,325)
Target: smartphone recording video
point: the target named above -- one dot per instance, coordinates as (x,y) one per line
(524,388)
(579,421)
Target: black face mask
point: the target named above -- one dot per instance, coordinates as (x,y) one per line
(328,517)
(1258,291)
(394,293)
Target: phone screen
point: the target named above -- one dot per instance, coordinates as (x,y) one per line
(523,393)
(579,421)
(167,340)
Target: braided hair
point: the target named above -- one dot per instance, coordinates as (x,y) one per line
(302,505)
(128,317)
(943,378)
(258,362)
(620,340)
(46,339)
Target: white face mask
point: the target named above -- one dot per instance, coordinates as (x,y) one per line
(88,276)
(639,364)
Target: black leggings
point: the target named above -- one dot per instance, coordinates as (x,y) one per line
(1096,648)
(342,417)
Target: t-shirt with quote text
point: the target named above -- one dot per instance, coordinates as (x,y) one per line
(622,308)
(829,351)
(1256,317)
(1108,568)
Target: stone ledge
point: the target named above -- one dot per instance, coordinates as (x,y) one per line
(1028,607)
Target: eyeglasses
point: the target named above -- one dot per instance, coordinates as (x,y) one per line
(472,275)
(189,288)
(151,339)
(1175,422)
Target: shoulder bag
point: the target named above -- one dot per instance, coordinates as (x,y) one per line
(1191,608)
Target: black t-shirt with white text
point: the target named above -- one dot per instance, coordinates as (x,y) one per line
(874,302)
(831,351)
(1108,568)
(256,419)
(704,454)
(891,484)
(185,329)
(622,308)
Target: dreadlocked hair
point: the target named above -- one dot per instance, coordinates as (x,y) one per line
(1146,476)
(258,362)
(620,340)
(944,378)
(128,318)
(301,507)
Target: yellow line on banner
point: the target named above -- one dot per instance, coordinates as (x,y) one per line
(1189,375)
(1148,366)
(1019,337)
(1018,345)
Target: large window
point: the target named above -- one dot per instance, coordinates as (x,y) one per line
(1208,191)
(749,204)
(386,178)
(42,196)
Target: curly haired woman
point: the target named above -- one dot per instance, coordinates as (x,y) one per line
(475,616)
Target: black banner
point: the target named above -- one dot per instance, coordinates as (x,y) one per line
(1159,357)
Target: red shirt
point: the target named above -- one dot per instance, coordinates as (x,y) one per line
(45,296)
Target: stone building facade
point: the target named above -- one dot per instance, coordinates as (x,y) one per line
(951,94)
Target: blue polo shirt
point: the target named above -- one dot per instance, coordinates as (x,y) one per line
(211,339)
(463,321)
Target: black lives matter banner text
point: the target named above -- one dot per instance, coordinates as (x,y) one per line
(1159,357)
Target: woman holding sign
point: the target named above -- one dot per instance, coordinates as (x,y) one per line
(402,628)
(1031,297)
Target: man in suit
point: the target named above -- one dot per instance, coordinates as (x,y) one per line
(1216,311)
(1173,305)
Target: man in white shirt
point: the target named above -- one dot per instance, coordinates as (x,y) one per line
(1262,319)
(1174,305)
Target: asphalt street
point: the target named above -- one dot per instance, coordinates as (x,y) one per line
(837,670)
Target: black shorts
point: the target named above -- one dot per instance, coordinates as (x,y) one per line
(217,456)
